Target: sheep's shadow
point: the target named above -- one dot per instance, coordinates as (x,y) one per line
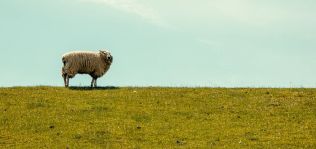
(93,88)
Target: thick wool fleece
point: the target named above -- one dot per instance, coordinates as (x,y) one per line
(95,64)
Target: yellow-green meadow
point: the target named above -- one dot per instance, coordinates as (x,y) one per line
(154,117)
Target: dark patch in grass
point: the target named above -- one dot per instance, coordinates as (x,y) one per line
(181,142)
(251,136)
(102,134)
(100,137)
(4,94)
(77,136)
(5,140)
(141,118)
(38,104)
(274,104)
(99,108)
(4,121)
(213,142)
(95,88)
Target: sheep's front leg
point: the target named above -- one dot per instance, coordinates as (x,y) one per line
(94,82)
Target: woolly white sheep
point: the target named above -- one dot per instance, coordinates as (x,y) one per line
(96,64)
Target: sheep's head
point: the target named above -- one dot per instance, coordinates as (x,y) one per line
(107,56)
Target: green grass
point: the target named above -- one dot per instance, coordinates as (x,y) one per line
(56,117)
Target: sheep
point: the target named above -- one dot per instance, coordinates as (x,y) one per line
(96,64)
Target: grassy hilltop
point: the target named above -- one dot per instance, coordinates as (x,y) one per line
(56,117)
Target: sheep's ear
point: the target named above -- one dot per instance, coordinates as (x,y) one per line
(101,52)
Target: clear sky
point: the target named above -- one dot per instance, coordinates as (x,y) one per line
(216,43)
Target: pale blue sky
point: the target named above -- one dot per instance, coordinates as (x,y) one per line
(226,43)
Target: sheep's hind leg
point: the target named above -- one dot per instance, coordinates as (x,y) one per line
(92,82)
(95,82)
(67,81)
(64,74)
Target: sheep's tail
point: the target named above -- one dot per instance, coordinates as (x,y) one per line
(63,72)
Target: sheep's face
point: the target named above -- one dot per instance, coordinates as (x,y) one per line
(107,56)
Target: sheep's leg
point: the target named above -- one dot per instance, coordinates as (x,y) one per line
(95,82)
(92,82)
(64,74)
(67,81)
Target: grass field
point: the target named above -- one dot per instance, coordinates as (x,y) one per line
(56,117)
